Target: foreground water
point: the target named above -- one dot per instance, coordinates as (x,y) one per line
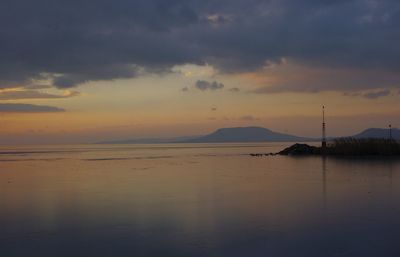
(194,200)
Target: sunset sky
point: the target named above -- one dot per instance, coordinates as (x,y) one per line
(86,71)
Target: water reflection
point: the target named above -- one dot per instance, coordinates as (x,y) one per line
(324,194)
(213,202)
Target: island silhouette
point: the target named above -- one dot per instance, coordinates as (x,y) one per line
(253,134)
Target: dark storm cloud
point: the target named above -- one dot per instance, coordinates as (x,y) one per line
(204,85)
(72,42)
(28,108)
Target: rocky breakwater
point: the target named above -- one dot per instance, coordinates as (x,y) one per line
(296,149)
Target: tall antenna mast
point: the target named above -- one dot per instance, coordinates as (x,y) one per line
(323,143)
(390,131)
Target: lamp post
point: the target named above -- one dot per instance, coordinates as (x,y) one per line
(323,143)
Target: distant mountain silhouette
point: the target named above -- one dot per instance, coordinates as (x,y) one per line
(378,133)
(223,135)
(250,134)
(246,134)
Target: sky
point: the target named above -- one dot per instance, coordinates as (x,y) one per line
(93,70)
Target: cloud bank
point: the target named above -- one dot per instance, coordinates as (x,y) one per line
(375,94)
(74,42)
(33,94)
(28,108)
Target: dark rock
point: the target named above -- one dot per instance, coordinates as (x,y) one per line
(299,149)
(258,154)
(261,154)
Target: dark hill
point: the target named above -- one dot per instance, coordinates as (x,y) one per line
(245,134)
(378,133)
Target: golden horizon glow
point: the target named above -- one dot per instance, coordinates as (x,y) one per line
(156,106)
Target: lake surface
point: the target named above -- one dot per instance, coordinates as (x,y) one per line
(194,200)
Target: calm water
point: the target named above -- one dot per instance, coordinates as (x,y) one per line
(194,200)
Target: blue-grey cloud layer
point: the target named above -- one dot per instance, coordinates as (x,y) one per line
(28,108)
(204,85)
(80,41)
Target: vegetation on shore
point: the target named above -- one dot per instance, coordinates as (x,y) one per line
(348,147)
(368,146)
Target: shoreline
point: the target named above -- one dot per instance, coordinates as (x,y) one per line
(346,147)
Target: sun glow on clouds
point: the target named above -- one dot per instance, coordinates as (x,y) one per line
(153,106)
(196,71)
(23,93)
